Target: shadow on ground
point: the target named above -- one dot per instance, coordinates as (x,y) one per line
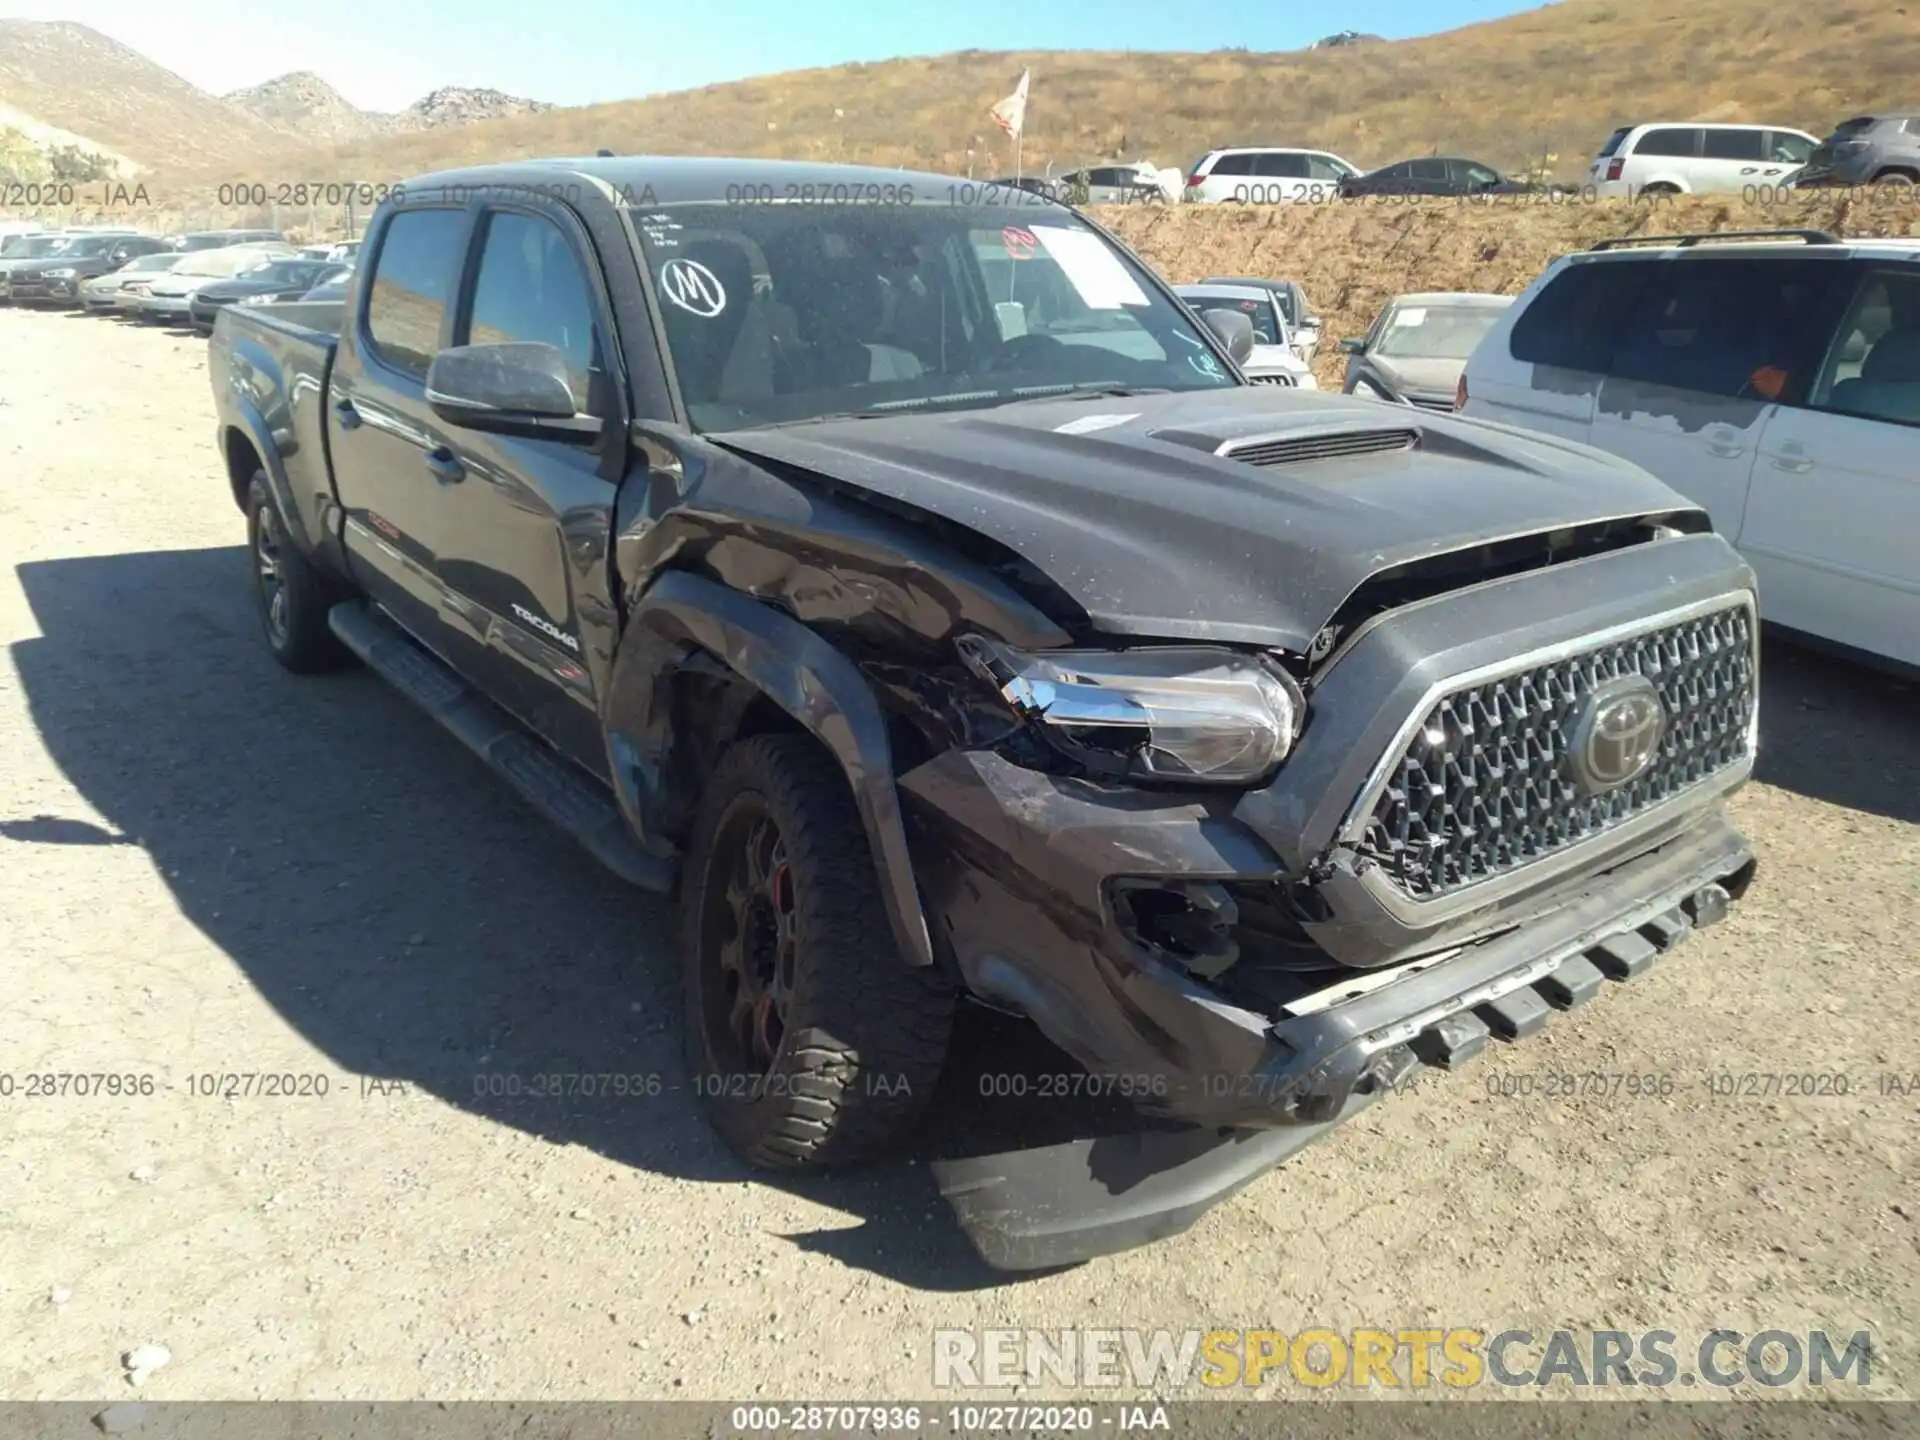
(409,916)
(414,921)
(1837,731)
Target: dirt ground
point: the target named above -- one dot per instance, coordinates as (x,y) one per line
(210,867)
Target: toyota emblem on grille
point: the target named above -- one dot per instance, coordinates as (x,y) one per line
(1618,735)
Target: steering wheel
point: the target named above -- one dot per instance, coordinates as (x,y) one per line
(1022,352)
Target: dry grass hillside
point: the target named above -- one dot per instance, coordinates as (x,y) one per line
(1552,81)
(79,80)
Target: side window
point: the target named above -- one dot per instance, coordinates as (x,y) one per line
(1572,321)
(1400,170)
(1282,166)
(1473,174)
(1873,369)
(413,280)
(1670,141)
(1430,168)
(1233,165)
(1725,144)
(1727,327)
(1323,167)
(1788,149)
(531,287)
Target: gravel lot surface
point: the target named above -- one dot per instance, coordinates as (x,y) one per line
(210,867)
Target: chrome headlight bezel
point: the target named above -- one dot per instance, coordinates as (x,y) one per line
(1160,714)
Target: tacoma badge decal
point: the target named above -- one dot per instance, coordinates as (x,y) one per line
(546,626)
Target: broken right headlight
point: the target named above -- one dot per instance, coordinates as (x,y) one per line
(1188,713)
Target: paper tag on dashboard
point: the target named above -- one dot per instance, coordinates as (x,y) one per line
(1096,272)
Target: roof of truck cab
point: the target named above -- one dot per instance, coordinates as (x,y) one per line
(682,179)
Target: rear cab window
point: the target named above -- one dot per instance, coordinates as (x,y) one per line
(413,279)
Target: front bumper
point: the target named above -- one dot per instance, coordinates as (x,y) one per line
(1069,1202)
(1034,881)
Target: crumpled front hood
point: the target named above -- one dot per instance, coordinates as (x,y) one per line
(1122,503)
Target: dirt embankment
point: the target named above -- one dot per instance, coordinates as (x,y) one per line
(1354,256)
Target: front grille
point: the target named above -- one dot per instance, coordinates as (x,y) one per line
(1339,445)
(1425,404)
(1482,788)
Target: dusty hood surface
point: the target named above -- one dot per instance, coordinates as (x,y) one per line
(1130,513)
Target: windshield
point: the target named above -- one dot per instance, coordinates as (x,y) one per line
(224,264)
(1436,332)
(143,263)
(782,313)
(285,272)
(85,246)
(1266,326)
(36,247)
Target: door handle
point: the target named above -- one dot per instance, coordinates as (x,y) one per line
(1726,444)
(348,417)
(445,465)
(1792,458)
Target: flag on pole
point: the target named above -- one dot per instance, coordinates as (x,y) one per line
(1011,113)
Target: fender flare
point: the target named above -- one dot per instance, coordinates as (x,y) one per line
(802,674)
(242,415)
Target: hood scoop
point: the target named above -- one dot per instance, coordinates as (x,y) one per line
(1297,449)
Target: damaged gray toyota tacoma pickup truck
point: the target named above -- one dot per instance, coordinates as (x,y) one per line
(896,571)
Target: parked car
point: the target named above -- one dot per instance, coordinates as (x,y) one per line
(1683,159)
(1303,326)
(1417,347)
(1434,175)
(168,298)
(1273,360)
(56,278)
(100,294)
(1032,184)
(220,239)
(1776,385)
(1866,150)
(1266,176)
(270,279)
(921,656)
(1111,185)
(333,289)
(29,252)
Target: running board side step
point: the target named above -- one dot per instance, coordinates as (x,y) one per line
(550,784)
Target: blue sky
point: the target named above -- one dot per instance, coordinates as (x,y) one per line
(385,55)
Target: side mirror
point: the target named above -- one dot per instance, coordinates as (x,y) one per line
(1233,330)
(1354,346)
(519,388)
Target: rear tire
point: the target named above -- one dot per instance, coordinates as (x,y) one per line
(1658,190)
(811,1041)
(1893,177)
(290,595)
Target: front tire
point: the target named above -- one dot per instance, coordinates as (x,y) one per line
(812,1043)
(290,596)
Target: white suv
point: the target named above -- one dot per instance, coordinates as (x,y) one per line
(1775,384)
(1263,176)
(1684,159)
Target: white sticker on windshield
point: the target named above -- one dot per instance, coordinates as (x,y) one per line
(1087,424)
(1096,272)
(1411,317)
(693,287)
